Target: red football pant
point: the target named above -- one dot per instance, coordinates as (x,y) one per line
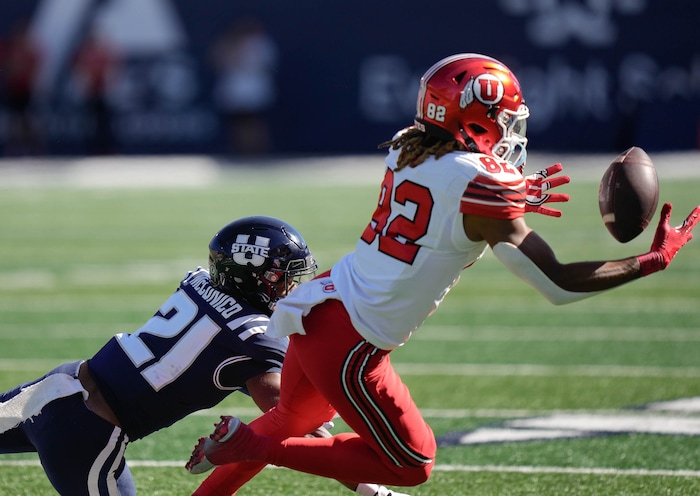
(333,365)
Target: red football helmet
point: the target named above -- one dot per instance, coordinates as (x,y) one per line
(476,100)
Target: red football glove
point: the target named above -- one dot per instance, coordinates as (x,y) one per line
(536,184)
(667,241)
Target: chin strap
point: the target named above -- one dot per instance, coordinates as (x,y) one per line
(469,142)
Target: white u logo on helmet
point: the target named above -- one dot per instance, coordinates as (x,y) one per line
(244,253)
(486,88)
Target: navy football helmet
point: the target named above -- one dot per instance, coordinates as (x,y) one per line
(260,259)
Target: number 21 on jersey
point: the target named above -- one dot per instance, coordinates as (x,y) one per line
(398,233)
(185,348)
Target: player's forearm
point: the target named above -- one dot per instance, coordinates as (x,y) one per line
(589,277)
(567,283)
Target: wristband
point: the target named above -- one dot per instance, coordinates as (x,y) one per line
(651,262)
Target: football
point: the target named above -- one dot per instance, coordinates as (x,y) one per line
(629,194)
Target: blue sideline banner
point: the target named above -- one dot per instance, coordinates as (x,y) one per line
(598,75)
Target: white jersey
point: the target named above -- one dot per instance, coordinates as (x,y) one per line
(414,249)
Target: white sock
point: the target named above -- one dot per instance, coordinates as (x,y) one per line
(369,490)
(375,490)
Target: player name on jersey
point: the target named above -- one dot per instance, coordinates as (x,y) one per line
(221,302)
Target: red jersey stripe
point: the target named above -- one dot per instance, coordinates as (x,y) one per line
(491,198)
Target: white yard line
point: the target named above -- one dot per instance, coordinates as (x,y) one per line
(566,470)
(570,333)
(468,369)
(521,469)
(454,369)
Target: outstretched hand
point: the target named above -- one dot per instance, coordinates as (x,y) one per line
(538,184)
(668,240)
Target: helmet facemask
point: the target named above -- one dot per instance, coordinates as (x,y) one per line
(278,282)
(512,147)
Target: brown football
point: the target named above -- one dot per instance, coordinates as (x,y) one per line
(629,194)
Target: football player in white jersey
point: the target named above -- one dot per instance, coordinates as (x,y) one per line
(453,187)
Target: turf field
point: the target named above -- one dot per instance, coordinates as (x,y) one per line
(600,397)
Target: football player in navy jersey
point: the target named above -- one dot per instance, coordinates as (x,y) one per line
(206,341)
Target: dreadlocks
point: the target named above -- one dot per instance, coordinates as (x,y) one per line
(416,146)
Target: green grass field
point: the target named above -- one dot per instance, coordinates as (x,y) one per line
(78,265)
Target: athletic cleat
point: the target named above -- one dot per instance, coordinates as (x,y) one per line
(223,432)
(225,429)
(198,463)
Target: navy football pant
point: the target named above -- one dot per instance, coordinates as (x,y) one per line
(81,453)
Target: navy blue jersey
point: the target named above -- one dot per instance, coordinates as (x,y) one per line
(200,346)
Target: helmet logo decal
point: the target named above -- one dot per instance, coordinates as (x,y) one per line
(467,95)
(243,252)
(486,88)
